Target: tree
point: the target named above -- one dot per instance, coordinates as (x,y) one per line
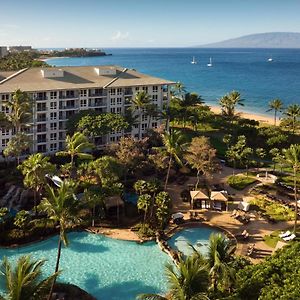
(277,106)
(62,207)
(202,157)
(229,102)
(173,143)
(218,258)
(293,114)
(188,280)
(19,143)
(140,102)
(22,220)
(75,146)
(144,202)
(292,156)
(34,169)
(178,90)
(163,208)
(20,110)
(24,280)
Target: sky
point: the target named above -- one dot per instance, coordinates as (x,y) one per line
(140,23)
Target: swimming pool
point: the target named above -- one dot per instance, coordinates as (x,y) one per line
(109,269)
(196,236)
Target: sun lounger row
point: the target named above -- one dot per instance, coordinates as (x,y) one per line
(251,249)
(287,236)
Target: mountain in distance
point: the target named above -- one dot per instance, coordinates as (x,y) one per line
(260,40)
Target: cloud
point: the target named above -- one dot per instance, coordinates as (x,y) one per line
(120,36)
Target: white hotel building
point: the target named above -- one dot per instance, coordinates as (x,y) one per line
(59,93)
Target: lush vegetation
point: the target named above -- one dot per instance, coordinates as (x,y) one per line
(239,182)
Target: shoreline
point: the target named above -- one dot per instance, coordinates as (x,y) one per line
(248,115)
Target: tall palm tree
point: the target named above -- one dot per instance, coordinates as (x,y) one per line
(229,102)
(292,157)
(218,257)
(187,281)
(277,106)
(20,110)
(293,113)
(173,142)
(140,102)
(75,145)
(144,202)
(34,169)
(62,207)
(178,90)
(24,281)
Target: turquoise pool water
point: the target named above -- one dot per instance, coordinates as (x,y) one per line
(109,269)
(196,236)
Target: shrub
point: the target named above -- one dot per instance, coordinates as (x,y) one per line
(239,182)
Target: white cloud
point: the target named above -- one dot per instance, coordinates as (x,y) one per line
(118,36)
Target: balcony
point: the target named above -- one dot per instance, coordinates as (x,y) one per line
(44,98)
(128,92)
(68,106)
(41,108)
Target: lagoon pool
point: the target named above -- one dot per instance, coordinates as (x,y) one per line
(196,236)
(109,269)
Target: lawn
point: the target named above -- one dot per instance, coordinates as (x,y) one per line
(239,182)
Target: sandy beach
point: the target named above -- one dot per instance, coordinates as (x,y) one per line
(254,116)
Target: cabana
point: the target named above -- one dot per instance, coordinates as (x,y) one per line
(113,204)
(199,199)
(219,200)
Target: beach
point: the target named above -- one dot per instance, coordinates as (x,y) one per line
(254,116)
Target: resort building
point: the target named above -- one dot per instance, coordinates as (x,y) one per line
(18,49)
(3,51)
(59,93)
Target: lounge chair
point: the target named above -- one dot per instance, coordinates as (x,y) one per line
(289,238)
(285,234)
(233,213)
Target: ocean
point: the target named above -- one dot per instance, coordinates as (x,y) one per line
(245,70)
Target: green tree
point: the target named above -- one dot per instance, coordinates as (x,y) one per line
(292,156)
(173,142)
(229,102)
(144,202)
(140,103)
(34,169)
(22,220)
(202,157)
(24,280)
(293,114)
(62,207)
(277,106)
(163,208)
(188,280)
(75,147)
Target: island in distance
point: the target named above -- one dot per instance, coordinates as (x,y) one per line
(72,52)
(260,40)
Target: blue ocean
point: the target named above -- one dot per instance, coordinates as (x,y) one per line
(245,70)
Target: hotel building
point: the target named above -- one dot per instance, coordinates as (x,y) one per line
(59,93)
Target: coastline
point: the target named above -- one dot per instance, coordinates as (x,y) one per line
(264,119)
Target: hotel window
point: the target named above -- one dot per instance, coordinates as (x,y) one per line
(83,93)
(119,101)
(119,110)
(5,109)
(53,105)
(155,89)
(145,89)
(53,126)
(144,117)
(154,98)
(5,131)
(136,126)
(119,91)
(83,103)
(113,110)
(137,88)
(112,139)
(112,101)
(5,97)
(53,95)
(112,91)
(53,116)
(144,126)
(53,136)
(41,148)
(154,125)
(53,147)
(4,142)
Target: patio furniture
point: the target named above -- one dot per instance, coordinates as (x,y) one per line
(289,238)
(285,234)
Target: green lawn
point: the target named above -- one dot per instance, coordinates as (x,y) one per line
(239,182)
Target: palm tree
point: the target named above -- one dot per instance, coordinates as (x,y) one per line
(35,168)
(144,202)
(187,281)
(218,257)
(20,110)
(75,146)
(173,143)
(62,207)
(229,102)
(275,105)
(293,113)
(140,102)
(24,280)
(178,90)
(292,157)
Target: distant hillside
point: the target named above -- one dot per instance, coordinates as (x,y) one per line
(260,40)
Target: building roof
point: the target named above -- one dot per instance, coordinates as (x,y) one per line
(32,79)
(219,196)
(113,201)
(198,195)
